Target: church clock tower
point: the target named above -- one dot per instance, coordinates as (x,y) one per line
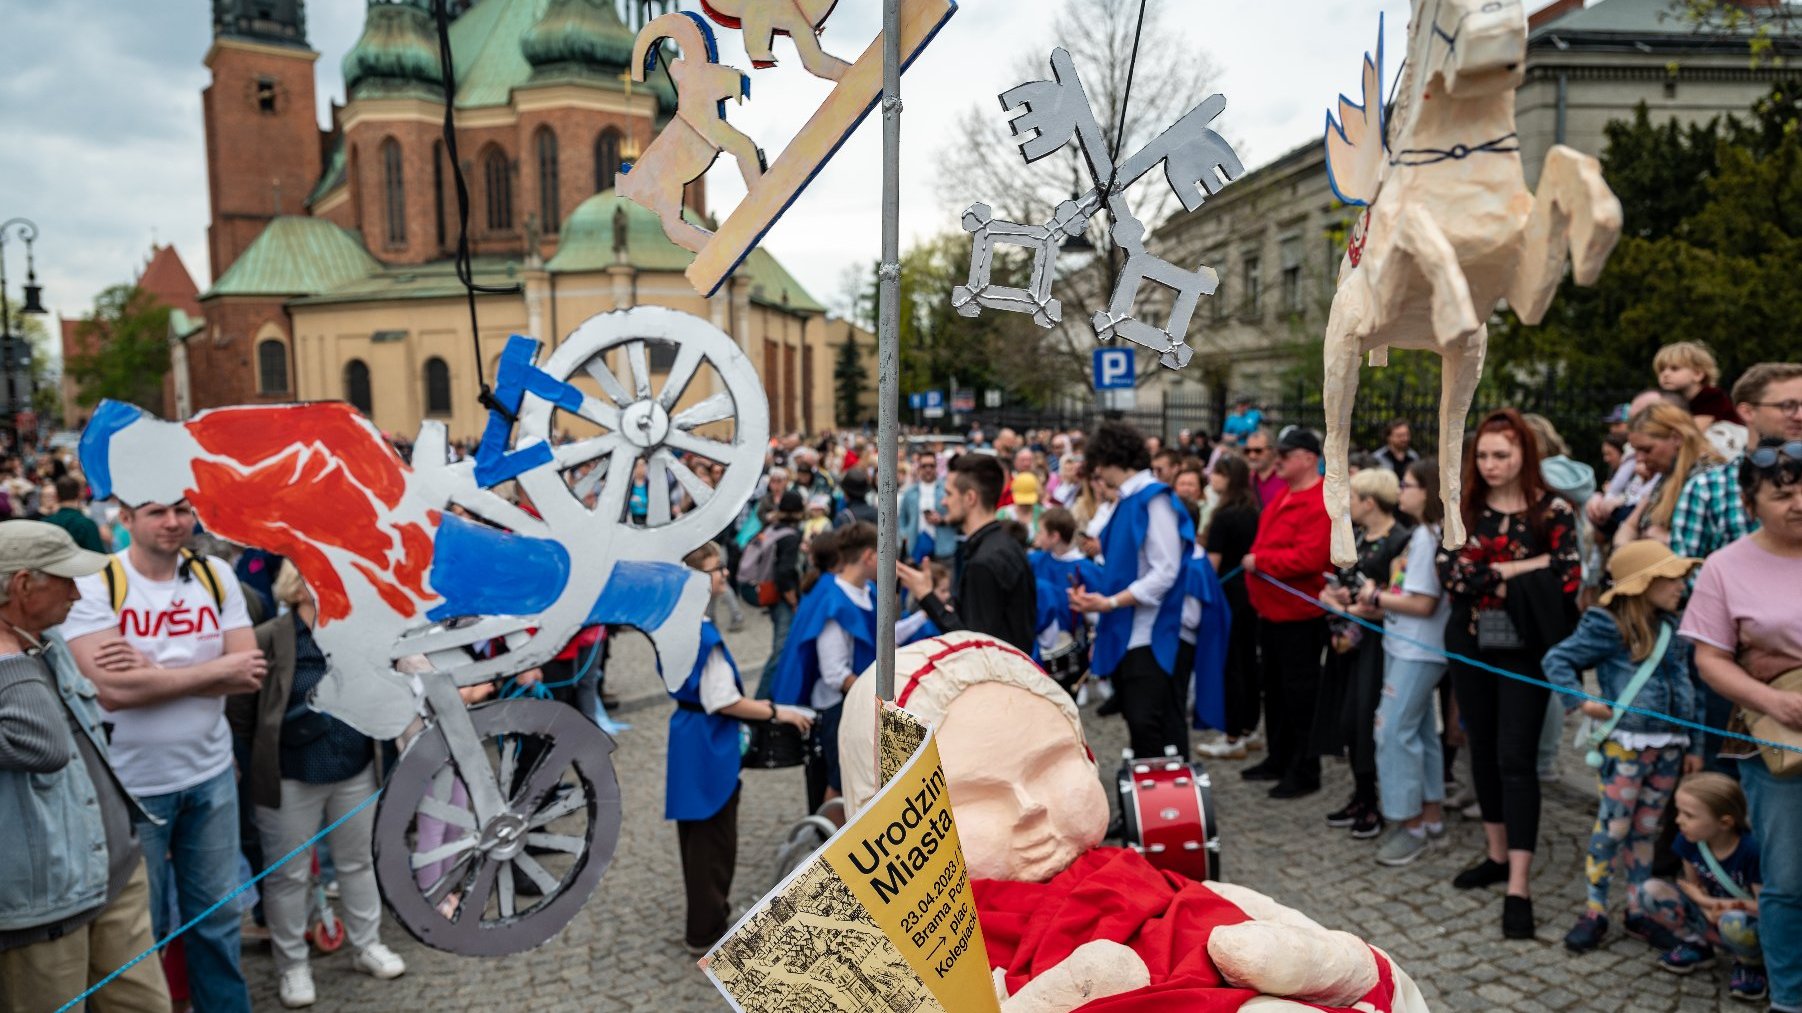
(262,131)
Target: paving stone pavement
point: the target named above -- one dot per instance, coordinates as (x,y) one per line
(623,952)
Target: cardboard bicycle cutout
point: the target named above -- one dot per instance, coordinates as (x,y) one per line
(1449,228)
(415,567)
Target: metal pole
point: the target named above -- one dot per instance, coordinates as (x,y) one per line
(888,354)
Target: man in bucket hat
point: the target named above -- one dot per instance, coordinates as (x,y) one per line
(74,898)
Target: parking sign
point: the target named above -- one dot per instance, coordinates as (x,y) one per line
(1114,369)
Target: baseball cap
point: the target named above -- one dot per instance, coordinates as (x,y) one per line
(1026,488)
(35,545)
(1298,438)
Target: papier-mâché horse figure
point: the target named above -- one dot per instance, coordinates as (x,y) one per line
(1450,227)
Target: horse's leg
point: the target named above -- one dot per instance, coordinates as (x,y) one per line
(1340,392)
(1576,219)
(1455,317)
(734,142)
(1462,368)
(654,182)
(818,62)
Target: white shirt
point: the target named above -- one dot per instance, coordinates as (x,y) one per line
(180,743)
(719,689)
(1191,628)
(929,501)
(1160,560)
(1049,638)
(909,627)
(836,646)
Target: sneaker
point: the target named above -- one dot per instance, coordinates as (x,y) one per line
(1488,872)
(379,961)
(1651,933)
(1458,796)
(1369,824)
(1472,811)
(737,625)
(1224,749)
(1435,831)
(1686,957)
(1345,815)
(296,987)
(1254,742)
(1400,847)
(1517,917)
(1587,934)
(1747,984)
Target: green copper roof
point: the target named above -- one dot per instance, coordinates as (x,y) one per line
(333,174)
(772,285)
(397,53)
(579,33)
(296,256)
(489,44)
(435,280)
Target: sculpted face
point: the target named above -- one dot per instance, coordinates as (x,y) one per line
(1027,802)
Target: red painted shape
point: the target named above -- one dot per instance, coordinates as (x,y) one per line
(932,664)
(254,435)
(394,596)
(728,21)
(416,558)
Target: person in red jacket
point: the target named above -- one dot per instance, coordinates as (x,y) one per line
(1292,546)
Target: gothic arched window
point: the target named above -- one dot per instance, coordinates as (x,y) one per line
(394,193)
(356,386)
(272,367)
(498,182)
(606,158)
(437,387)
(549,210)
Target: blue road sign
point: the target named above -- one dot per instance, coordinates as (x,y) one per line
(1114,369)
(916,401)
(935,399)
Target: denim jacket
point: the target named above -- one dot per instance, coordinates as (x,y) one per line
(1598,643)
(54,818)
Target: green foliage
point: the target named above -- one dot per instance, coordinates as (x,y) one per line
(1712,248)
(130,331)
(849,378)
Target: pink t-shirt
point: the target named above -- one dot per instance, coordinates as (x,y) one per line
(1734,608)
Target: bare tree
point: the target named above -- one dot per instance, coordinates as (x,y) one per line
(983,164)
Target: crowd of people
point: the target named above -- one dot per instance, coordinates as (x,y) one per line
(153,727)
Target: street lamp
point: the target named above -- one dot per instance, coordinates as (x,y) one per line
(15,353)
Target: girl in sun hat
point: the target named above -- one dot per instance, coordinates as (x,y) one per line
(1630,642)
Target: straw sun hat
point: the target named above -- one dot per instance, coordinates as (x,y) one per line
(1635,565)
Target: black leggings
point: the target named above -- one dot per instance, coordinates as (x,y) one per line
(1243,705)
(1291,688)
(1503,718)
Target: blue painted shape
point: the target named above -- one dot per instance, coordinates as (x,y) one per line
(1381,126)
(97,443)
(640,594)
(479,570)
(799,190)
(518,376)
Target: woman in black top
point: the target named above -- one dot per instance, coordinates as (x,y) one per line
(1230,531)
(1513,590)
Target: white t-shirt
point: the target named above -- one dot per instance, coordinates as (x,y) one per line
(180,743)
(836,649)
(1417,572)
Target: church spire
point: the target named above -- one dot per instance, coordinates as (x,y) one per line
(282,22)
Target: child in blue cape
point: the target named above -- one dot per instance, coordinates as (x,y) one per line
(833,639)
(1061,565)
(701,786)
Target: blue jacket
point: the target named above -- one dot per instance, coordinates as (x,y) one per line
(1201,583)
(51,834)
(704,752)
(1120,543)
(1055,574)
(1598,643)
(799,668)
(944,543)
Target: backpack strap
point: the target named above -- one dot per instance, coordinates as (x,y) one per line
(1720,875)
(198,564)
(115,582)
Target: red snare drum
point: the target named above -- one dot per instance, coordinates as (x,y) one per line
(1168,807)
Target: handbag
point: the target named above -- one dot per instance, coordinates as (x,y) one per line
(1496,631)
(1782,762)
(1644,675)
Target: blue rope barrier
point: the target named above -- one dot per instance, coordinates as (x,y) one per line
(228,898)
(1543,684)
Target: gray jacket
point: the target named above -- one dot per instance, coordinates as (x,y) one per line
(51,828)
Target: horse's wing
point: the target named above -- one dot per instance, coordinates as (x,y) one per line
(1354,141)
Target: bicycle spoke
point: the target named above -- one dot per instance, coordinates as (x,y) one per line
(697,490)
(558,809)
(476,900)
(610,385)
(457,875)
(420,860)
(656,478)
(505,882)
(604,415)
(641,369)
(616,486)
(509,756)
(717,408)
(544,776)
(688,442)
(587,484)
(444,812)
(582,451)
(536,873)
(555,842)
(688,359)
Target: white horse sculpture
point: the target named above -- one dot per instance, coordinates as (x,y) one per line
(1450,227)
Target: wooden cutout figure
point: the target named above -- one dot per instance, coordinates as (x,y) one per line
(1450,227)
(762,20)
(694,138)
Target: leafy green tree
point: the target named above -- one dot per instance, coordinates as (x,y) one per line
(129,331)
(1712,248)
(849,379)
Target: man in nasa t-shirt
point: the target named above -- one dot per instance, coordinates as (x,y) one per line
(164,663)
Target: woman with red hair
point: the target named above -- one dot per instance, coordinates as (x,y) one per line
(1513,588)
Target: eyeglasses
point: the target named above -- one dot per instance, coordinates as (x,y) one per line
(1259,451)
(1785,407)
(1766,458)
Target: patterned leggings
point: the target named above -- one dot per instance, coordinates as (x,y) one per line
(1635,786)
(1737,931)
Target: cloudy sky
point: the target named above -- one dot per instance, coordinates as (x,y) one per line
(100,112)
